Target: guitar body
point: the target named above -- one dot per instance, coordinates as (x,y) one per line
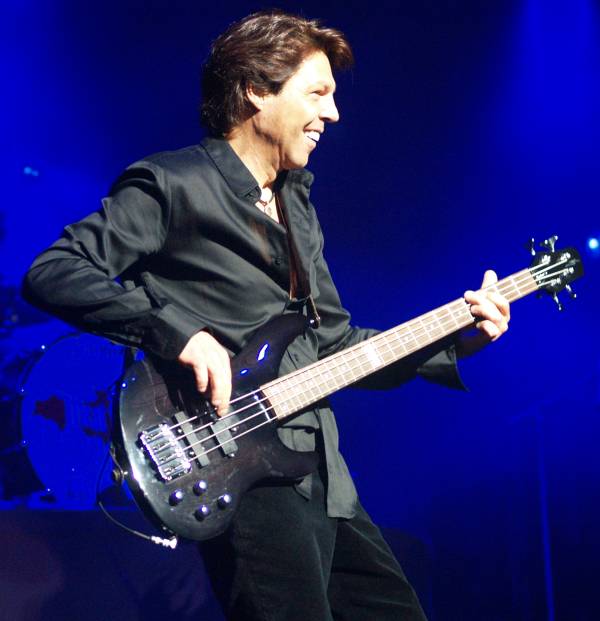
(187,468)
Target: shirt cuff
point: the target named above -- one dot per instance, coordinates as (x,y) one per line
(170,332)
(443,369)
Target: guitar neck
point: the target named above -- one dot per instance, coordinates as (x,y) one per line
(299,389)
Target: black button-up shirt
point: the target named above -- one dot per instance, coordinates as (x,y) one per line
(181,233)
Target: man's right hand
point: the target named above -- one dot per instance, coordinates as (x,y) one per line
(212,368)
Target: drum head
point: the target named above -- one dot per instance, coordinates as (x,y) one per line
(66,411)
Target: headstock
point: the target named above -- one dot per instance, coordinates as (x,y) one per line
(553,270)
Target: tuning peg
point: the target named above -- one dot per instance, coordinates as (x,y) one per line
(555,298)
(531,246)
(550,242)
(571,292)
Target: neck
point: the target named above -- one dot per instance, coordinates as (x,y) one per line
(254,154)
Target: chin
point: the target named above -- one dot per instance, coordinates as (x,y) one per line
(296,162)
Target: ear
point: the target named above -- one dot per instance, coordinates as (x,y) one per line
(256,99)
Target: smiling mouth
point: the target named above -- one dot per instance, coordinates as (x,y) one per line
(313,135)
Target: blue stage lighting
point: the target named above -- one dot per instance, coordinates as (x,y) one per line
(593,244)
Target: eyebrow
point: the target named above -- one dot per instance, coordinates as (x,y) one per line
(328,85)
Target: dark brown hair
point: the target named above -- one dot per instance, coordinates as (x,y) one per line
(262,50)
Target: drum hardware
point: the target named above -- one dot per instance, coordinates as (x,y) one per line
(57,419)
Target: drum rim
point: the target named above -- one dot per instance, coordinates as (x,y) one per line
(33,359)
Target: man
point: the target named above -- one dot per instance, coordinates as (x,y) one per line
(209,243)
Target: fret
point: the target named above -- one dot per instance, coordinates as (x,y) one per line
(426,336)
(334,375)
(513,287)
(441,327)
(453,315)
(345,369)
(323,386)
(324,383)
(288,399)
(298,395)
(369,350)
(293,402)
(464,317)
(382,350)
(309,385)
(330,378)
(299,389)
(438,329)
(272,393)
(388,356)
(516,290)
(355,363)
(407,335)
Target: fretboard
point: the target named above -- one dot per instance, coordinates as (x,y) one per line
(299,389)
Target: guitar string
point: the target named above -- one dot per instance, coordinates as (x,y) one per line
(303,371)
(418,331)
(506,284)
(361,358)
(221,444)
(255,415)
(504,287)
(251,429)
(265,410)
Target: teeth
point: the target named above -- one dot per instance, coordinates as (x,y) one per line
(313,135)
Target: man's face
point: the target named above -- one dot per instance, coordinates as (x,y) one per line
(292,121)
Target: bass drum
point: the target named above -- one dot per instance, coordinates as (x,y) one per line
(66,401)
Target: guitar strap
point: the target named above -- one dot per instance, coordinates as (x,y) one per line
(298,279)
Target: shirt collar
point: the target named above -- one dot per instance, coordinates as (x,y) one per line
(238,177)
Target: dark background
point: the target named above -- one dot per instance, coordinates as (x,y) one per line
(466,128)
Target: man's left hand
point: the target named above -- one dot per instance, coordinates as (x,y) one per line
(491,311)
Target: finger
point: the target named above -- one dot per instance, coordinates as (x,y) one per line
(495,309)
(490,329)
(488,305)
(220,385)
(488,312)
(501,303)
(474,297)
(489,278)
(201,374)
(226,386)
(480,297)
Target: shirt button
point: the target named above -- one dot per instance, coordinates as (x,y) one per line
(277,260)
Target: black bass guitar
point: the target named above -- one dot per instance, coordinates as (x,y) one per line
(188,469)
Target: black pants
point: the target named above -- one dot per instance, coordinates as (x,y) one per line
(284,559)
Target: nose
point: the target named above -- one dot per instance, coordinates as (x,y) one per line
(329,111)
